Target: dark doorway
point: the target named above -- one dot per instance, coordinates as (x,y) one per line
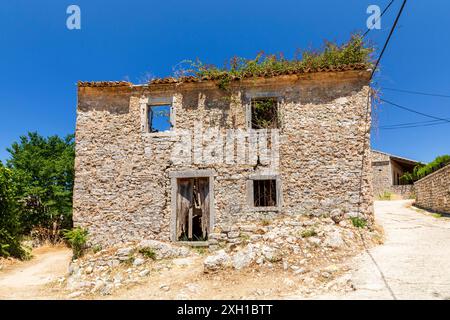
(193,212)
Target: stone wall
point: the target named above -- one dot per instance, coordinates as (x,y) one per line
(433,191)
(122,184)
(406,191)
(383,169)
(382,173)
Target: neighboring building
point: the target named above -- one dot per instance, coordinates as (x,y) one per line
(387,172)
(141,173)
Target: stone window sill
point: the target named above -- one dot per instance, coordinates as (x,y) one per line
(161,134)
(264,209)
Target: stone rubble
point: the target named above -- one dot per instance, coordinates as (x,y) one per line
(109,269)
(310,248)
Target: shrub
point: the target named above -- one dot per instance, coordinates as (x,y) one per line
(308,233)
(420,171)
(129,260)
(244,236)
(10,235)
(200,250)
(42,235)
(436,164)
(386,195)
(77,239)
(96,248)
(148,253)
(358,222)
(43,177)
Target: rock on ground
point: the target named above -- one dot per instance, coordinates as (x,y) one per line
(164,250)
(217,261)
(244,257)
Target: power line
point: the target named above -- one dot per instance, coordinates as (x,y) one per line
(367,119)
(413,126)
(410,123)
(409,127)
(418,92)
(385,9)
(388,38)
(414,111)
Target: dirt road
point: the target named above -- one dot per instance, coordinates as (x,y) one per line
(414,261)
(29,279)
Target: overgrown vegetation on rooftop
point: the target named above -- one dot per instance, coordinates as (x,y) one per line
(355,51)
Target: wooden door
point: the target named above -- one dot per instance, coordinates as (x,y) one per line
(184,206)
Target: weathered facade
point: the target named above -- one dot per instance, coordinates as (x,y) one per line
(433,191)
(134,184)
(387,172)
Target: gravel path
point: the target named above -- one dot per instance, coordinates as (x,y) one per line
(29,279)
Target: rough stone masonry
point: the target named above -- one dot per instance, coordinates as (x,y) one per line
(433,191)
(126,176)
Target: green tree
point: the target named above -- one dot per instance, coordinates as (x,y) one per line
(9,216)
(421,170)
(44,173)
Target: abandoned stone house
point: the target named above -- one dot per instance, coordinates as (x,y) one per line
(147,168)
(387,174)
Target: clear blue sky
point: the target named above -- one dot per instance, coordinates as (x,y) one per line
(41,60)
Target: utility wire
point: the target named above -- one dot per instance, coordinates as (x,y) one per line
(385,9)
(410,123)
(414,111)
(388,38)
(418,123)
(418,92)
(414,126)
(364,151)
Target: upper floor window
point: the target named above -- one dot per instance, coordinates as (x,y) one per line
(264,113)
(159,118)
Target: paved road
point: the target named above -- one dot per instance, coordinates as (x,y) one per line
(413,263)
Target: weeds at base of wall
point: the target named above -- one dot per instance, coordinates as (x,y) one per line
(96,248)
(358,222)
(148,253)
(77,239)
(386,195)
(200,250)
(265,222)
(308,233)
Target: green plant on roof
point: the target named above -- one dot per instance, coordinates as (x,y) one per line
(355,51)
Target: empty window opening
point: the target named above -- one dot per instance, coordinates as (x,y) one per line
(193,209)
(264,113)
(159,118)
(265,193)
